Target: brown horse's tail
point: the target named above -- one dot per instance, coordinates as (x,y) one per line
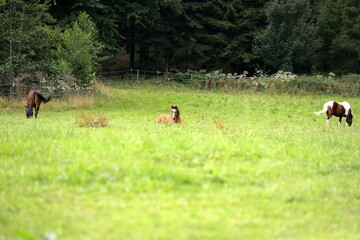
(42,98)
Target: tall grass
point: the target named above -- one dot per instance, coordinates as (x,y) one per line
(281,82)
(3,102)
(102,87)
(303,85)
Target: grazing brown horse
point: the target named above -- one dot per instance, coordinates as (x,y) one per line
(173,118)
(338,110)
(34,99)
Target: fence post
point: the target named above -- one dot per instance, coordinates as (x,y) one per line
(137,75)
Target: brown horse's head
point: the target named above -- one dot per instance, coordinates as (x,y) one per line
(28,111)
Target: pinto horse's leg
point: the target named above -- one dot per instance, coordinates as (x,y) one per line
(340,120)
(328,119)
(329,115)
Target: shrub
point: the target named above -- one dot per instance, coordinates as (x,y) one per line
(90,120)
(24,43)
(187,77)
(219,124)
(51,57)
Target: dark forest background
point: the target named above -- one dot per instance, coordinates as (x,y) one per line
(57,36)
(232,35)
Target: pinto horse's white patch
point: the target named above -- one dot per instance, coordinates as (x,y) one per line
(327,122)
(347,107)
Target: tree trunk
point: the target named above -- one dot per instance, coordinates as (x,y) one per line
(132,44)
(143,57)
(166,65)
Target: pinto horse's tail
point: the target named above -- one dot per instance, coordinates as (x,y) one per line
(319,113)
(322,111)
(42,98)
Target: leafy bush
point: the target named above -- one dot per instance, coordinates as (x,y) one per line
(289,40)
(188,76)
(24,43)
(76,50)
(32,45)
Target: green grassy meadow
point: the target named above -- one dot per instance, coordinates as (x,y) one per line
(240,166)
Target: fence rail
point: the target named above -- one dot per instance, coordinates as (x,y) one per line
(141,75)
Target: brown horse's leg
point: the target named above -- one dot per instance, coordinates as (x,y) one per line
(37,111)
(37,103)
(340,120)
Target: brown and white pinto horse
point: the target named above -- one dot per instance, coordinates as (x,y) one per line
(173,118)
(34,99)
(338,110)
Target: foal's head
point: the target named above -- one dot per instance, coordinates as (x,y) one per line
(175,113)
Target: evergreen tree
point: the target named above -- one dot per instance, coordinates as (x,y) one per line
(206,32)
(289,39)
(220,33)
(137,17)
(104,13)
(162,41)
(247,17)
(215,34)
(339,24)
